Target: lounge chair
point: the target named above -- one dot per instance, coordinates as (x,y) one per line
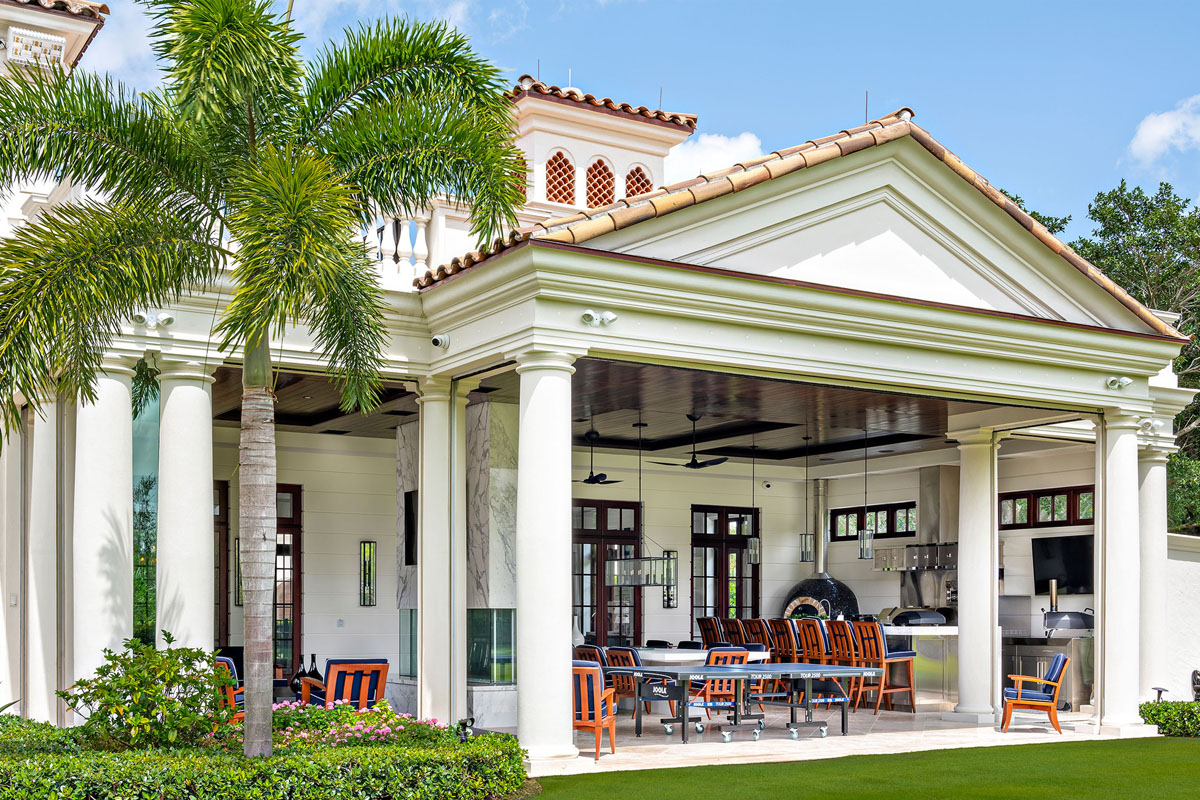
(358,680)
(1042,698)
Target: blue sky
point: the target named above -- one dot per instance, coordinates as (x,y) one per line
(1054,100)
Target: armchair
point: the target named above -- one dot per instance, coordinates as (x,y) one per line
(1044,697)
(358,680)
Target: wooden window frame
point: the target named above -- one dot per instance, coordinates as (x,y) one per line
(601,537)
(1031,496)
(724,542)
(859,513)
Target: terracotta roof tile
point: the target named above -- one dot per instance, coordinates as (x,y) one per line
(529,86)
(80,8)
(579,228)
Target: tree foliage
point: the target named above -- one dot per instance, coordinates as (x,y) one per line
(1055,225)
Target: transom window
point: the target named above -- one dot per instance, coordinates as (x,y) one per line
(884,521)
(1048,508)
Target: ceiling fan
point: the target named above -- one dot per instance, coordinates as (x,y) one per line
(593,477)
(694,463)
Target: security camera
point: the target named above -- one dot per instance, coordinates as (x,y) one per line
(441,340)
(1119,383)
(766,484)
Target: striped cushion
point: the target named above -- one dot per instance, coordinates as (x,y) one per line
(1029,694)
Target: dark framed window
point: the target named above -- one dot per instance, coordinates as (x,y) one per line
(883,521)
(724,582)
(366,573)
(221,543)
(1047,508)
(410,528)
(604,530)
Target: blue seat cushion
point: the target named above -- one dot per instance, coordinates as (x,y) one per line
(901,654)
(1029,694)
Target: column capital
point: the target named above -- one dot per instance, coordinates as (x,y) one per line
(1155,455)
(431,388)
(1120,419)
(115,365)
(973,437)
(463,387)
(545,359)
(178,369)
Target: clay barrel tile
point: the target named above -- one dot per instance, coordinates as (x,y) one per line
(752,177)
(582,231)
(623,218)
(787,165)
(672,202)
(708,191)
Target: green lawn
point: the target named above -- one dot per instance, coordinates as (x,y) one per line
(1151,768)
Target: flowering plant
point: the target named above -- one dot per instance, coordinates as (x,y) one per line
(341,724)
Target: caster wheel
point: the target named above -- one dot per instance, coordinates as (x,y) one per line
(668,729)
(762,724)
(699,727)
(756,734)
(824,732)
(795,734)
(727,737)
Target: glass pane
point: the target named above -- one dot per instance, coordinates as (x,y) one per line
(712,522)
(577,517)
(1021,511)
(852,525)
(283,505)
(627,519)
(1087,505)
(1060,507)
(216,502)
(614,519)
(912,519)
(697,522)
(490,656)
(1045,509)
(1006,512)
(408,642)
(589,518)
(841,525)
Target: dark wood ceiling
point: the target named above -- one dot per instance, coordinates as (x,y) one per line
(740,416)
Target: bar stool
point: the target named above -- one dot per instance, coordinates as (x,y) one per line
(874,652)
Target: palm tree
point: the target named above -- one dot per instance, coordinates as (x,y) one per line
(250,166)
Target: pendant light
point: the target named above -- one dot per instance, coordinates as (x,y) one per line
(866,533)
(642,570)
(807,538)
(754,545)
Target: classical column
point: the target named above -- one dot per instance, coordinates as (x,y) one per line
(458,550)
(976,576)
(544,556)
(1118,557)
(42,524)
(434,616)
(1152,524)
(102,544)
(10,567)
(185,592)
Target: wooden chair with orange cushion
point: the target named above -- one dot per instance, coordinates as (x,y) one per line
(874,652)
(1043,696)
(358,681)
(231,694)
(843,650)
(735,634)
(595,706)
(786,649)
(757,632)
(812,641)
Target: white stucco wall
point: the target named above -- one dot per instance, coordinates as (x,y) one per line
(1183,614)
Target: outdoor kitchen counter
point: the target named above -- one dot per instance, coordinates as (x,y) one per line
(935,668)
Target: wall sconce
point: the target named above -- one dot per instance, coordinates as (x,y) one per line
(671,589)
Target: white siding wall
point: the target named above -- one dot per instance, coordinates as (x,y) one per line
(1183,614)
(349,495)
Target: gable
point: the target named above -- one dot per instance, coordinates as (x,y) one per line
(890,220)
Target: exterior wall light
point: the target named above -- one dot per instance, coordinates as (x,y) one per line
(153,319)
(596,319)
(1119,382)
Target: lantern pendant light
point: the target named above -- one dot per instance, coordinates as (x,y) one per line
(807,538)
(866,534)
(754,545)
(642,570)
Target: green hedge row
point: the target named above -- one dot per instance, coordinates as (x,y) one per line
(486,767)
(1173,718)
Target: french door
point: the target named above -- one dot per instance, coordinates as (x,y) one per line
(724,582)
(605,615)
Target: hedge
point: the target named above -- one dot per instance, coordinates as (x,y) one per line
(1173,718)
(34,763)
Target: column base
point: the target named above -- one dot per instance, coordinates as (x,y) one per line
(970,717)
(1127,730)
(541,756)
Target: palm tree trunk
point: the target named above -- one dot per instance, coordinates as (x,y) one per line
(256,528)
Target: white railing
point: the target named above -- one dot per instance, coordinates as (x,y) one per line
(403,248)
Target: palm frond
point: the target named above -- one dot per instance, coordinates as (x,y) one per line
(69,280)
(392,62)
(399,157)
(98,133)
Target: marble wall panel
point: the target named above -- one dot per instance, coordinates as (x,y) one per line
(408,437)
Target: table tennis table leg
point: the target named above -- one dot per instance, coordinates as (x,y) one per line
(845,715)
(637,706)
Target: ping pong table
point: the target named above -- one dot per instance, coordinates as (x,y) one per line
(674,683)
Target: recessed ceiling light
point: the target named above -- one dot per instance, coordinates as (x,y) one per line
(887,451)
(308,397)
(826,458)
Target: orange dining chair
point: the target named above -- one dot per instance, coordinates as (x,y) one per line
(757,632)
(595,706)
(626,685)
(843,650)
(874,652)
(719,690)
(710,631)
(1037,699)
(735,635)
(231,693)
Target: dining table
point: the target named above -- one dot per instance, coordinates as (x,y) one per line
(682,657)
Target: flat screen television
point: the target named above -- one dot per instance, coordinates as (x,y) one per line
(1065,558)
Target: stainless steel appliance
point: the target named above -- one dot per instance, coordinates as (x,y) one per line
(1032,656)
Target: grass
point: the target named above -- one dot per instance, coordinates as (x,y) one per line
(1150,768)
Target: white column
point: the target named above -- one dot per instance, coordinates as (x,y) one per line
(185,593)
(544,556)
(41,567)
(458,551)
(1152,523)
(976,576)
(421,243)
(434,617)
(1118,555)
(102,547)
(10,568)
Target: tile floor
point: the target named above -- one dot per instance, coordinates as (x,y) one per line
(890,732)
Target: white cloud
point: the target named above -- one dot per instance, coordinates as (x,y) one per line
(710,151)
(506,21)
(122,47)
(1159,133)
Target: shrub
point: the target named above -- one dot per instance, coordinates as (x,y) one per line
(1173,718)
(24,737)
(144,697)
(485,767)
